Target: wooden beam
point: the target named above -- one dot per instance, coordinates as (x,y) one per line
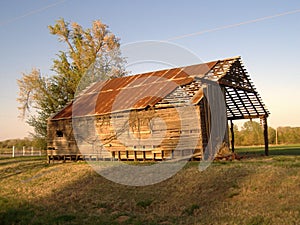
(229,84)
(135,156)
(241,100)
(119,155)
(233,101)
(266,136)
(255,93)
(144,155)
(232,135)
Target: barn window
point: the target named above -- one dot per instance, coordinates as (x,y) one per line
(59,133)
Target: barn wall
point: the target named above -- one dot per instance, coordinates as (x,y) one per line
(143,137)
(60,137)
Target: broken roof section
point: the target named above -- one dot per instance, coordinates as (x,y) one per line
(147,89)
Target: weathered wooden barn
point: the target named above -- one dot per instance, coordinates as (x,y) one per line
(154,116)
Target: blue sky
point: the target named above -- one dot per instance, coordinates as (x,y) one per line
(270,48)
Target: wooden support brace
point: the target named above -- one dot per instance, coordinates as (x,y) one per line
(266,136)
(135,158)
(232,135)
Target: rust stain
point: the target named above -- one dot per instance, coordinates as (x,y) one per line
(132,92)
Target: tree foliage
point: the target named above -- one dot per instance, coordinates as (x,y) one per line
(94,51)
(288,135)
(18,143)
(251,133)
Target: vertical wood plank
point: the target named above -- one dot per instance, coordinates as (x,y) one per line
(135,158)
(232,135)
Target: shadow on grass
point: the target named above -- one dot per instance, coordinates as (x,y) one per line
(22,215)
(7,161)
(27,214)
(13,167)
(186,198)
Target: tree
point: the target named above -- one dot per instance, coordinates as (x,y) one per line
(288,135)
(251,133)
(272,135)
(94,51)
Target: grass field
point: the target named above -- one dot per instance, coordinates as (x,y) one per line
(254,190)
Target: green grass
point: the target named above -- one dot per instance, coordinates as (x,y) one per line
(254,190)
(273,150)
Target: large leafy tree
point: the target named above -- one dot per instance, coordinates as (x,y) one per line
(251,133)
(94,51)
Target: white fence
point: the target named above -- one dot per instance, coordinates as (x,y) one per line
(24,151)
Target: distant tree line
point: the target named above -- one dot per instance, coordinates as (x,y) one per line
(36,143)
(288,135)
(251,133)
(18,143)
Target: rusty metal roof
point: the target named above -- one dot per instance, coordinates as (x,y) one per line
(147,89)
(131,92)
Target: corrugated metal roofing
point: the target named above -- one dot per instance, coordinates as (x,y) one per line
(131,92)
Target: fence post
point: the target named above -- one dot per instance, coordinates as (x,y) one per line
(13,152)
(40,153)
(31,150)
(23,150)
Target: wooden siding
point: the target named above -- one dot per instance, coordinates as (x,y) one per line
(154,138)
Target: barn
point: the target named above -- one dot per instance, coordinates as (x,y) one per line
(157,115)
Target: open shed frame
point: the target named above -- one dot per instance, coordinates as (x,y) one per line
(242,99)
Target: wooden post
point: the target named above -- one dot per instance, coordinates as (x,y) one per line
(135,156)
(23,150)
(13,152)
(32,150)
(232,135)
(266,136)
